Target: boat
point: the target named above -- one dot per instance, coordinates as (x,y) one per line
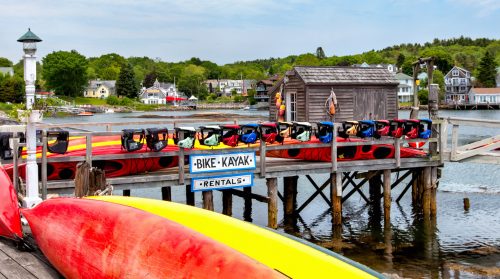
(85,113)
(116,237)
(109,110)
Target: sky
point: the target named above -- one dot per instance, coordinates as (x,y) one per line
(225,31)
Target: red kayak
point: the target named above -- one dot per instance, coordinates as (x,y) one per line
(345,153)
(85,238)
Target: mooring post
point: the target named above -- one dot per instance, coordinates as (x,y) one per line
(427,187)
(227,203)
(336,197)
(272,205)
(387,197)
(166,193)
(208,200)
(290,194)
(189,195)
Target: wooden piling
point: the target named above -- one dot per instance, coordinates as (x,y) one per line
(247,209)
(290,194)
(434,184)
(336,198)
(427,187)
(126,193)
(189,196)
(272,206)
(208,200)
(387,196)
(166,193)
(414,187)
(466,204)
(227,203)
(375,186)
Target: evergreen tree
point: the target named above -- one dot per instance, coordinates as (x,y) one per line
(149,79)
(320,54)
(125,85)
(487,70)
(400,60)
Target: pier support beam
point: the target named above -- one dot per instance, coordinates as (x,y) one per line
(427,188)
(415,187)
(434,184)
(247,210)
(189,196)
(290,194)
(375,185)
(208,200)
(272,206)
(336,197)
(387,197)
(166,193)
(227,203)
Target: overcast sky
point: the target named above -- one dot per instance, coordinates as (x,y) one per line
(225,31)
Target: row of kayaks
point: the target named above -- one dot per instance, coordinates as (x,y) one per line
(124,237)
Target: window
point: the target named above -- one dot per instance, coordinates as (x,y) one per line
(455,73)
(462,88)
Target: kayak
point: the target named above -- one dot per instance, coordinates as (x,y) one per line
(288,256)
(346,153)
(84,238)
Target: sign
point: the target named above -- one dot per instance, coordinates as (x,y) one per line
(221,182)
(221,162)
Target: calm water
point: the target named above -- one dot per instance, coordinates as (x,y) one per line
(461,244)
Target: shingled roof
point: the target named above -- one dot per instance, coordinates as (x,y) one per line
(345,75)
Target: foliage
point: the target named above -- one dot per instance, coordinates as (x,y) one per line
(149,79)
(115,101)
(125,85)
(320,54)
(65,72)
(190,81)
(238,98)
(107,66)
(423,96)
(4,62)
(12,89)
(487,71)
(251,96)
(400,60)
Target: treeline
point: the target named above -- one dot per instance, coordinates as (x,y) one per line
(67,73)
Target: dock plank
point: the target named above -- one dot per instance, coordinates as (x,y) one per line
(12,269)
(33,263)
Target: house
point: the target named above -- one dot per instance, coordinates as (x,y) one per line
(405,87)
(457,85)
(262,87)
(362,93)
(484,95)
(100,89)
(225,87)
(390,67)
(159,93)
(7,71)
(43,95)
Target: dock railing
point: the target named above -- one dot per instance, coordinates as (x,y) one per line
(265,168)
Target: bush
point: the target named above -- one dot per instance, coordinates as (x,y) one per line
(238,98)
(423,97)
(113,101)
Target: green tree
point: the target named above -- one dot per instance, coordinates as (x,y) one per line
(320,54)
(4,62)
(307,59)
(190,80)
(65,72)
(487,70)
(400,60)
(11,89)
(107,66)
(125,85)
(149,79)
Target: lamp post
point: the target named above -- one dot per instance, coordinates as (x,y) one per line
(29,41)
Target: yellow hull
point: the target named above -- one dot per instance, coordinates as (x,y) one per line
(290,257)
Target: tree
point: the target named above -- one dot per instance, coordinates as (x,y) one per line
(11,89)
(65,72)
(307,59)
(487,70)
(4,62)
(190,80)
(125,85)
(400,60)
(107,66)
(149,79)
(320,54)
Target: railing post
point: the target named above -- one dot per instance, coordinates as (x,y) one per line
(181,166)
(397,152)
(15,162)
(454,142)
(262,159)
(334,149)
(88,151)
(44,165)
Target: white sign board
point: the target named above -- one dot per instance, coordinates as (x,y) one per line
(221,182)
(221,162)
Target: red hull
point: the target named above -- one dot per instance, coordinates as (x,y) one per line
(10,220)
(95,239)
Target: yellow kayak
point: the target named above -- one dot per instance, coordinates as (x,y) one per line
(292,258)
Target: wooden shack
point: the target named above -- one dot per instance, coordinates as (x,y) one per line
(362,93)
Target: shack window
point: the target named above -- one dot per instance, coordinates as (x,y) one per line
(291,106)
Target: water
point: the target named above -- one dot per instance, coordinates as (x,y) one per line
(461,244)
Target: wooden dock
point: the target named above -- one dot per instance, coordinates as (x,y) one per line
(15,264)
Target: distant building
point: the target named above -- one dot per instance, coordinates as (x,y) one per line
(159,93)
(7,71)
(390,67)
(484,95)
(457,85)
(224,87)
(498,77)
(43,95)
(405,87)
(263,86)
(100,89)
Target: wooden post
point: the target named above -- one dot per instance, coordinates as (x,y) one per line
(166,193)
(272,206)
(44,166)
(181,168)
(88,150)
(262,151)
(336,197)
(375,185)
(289,192)
(414,186)
(434,184)
(82,176)
(247,209)
(426,185)
(126,193)
(208,200)
(189,196)
(15,163)
(227,203)
(387,197)
(454,142)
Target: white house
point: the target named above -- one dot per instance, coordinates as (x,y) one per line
(100,89)
(390,67)
(484,95)
(226,86)
(457,85)
(405,87)
(159,93)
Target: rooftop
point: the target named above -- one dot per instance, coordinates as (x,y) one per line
(486,90)
(345,75)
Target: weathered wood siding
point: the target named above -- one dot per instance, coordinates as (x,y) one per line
(294,84)
(317,95)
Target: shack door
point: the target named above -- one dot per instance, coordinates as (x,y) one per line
(291,106)
(369,104)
